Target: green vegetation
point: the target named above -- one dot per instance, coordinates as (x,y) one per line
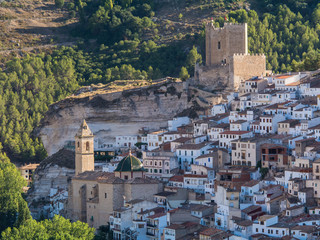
(15,218)
(13,208)
(59,3)
(288,39)
(27,87)
(57,228)
(129,47)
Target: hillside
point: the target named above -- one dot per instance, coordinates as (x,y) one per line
(25,25)
(128,39)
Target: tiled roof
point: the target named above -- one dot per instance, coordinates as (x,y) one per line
(192,146)
(129,164)
(176,178)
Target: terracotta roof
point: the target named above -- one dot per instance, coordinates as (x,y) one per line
(293,84)
(195,176)
(30,166)
(251,183)
(182,140)
(157,215)
(251,209)
(192,146)
(176,178)
(211,232)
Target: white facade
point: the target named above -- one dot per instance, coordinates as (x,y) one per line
(225,138)
(189,152)
(218,109)
(126,141)
(155,139)
(177,122)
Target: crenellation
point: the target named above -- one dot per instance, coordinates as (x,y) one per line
(227,58)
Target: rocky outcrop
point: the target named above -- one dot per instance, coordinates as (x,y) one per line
(49,191)
(116,113)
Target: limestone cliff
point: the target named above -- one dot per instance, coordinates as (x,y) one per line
(112,113)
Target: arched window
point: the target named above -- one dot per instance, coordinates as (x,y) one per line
(87,146)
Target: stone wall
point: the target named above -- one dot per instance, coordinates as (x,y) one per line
(224,42)
(245,66)
(229,76)
(214,77)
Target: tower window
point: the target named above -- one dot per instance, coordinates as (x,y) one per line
(219,45)
(87,146)
(78,144)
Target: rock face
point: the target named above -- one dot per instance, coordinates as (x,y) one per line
(117,113)
(49,192)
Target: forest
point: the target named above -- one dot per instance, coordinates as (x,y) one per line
(127,47)
(16,221)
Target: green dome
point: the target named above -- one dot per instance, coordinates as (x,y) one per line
(129,164)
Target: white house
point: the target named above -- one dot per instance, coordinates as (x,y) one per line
(177,122)
(187,153)
(226,137)
(126,141)
(155,139)
(269,123)
(218,109)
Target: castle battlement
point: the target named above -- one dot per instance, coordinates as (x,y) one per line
(227,24)
(249,54)
(227,59)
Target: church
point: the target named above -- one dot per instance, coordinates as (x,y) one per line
(93,195)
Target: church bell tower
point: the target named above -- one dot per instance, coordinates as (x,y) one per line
(84,149)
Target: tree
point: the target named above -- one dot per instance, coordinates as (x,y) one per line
(184,75)
(13,208)
(57,228)
(193,58)
(59,3)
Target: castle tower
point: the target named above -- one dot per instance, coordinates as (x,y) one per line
(221,43)
(84,149)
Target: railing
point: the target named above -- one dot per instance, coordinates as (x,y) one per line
(151,225)
(151,234)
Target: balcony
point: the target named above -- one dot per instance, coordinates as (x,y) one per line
(152,225)
(151,234)
(232,199)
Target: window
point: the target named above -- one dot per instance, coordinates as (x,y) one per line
(219,45)
(87,146)
(105,195)
(126,177)
(78,144)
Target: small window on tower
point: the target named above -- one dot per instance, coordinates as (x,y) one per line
(87,146)
(219,45)
(78,144)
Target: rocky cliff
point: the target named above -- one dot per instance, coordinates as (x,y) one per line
(112,113)
(48,194)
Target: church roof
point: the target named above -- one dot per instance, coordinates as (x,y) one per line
(129,163)
(84,130)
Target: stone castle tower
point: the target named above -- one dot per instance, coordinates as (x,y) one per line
(84,149)
(221,43)
(227,60)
